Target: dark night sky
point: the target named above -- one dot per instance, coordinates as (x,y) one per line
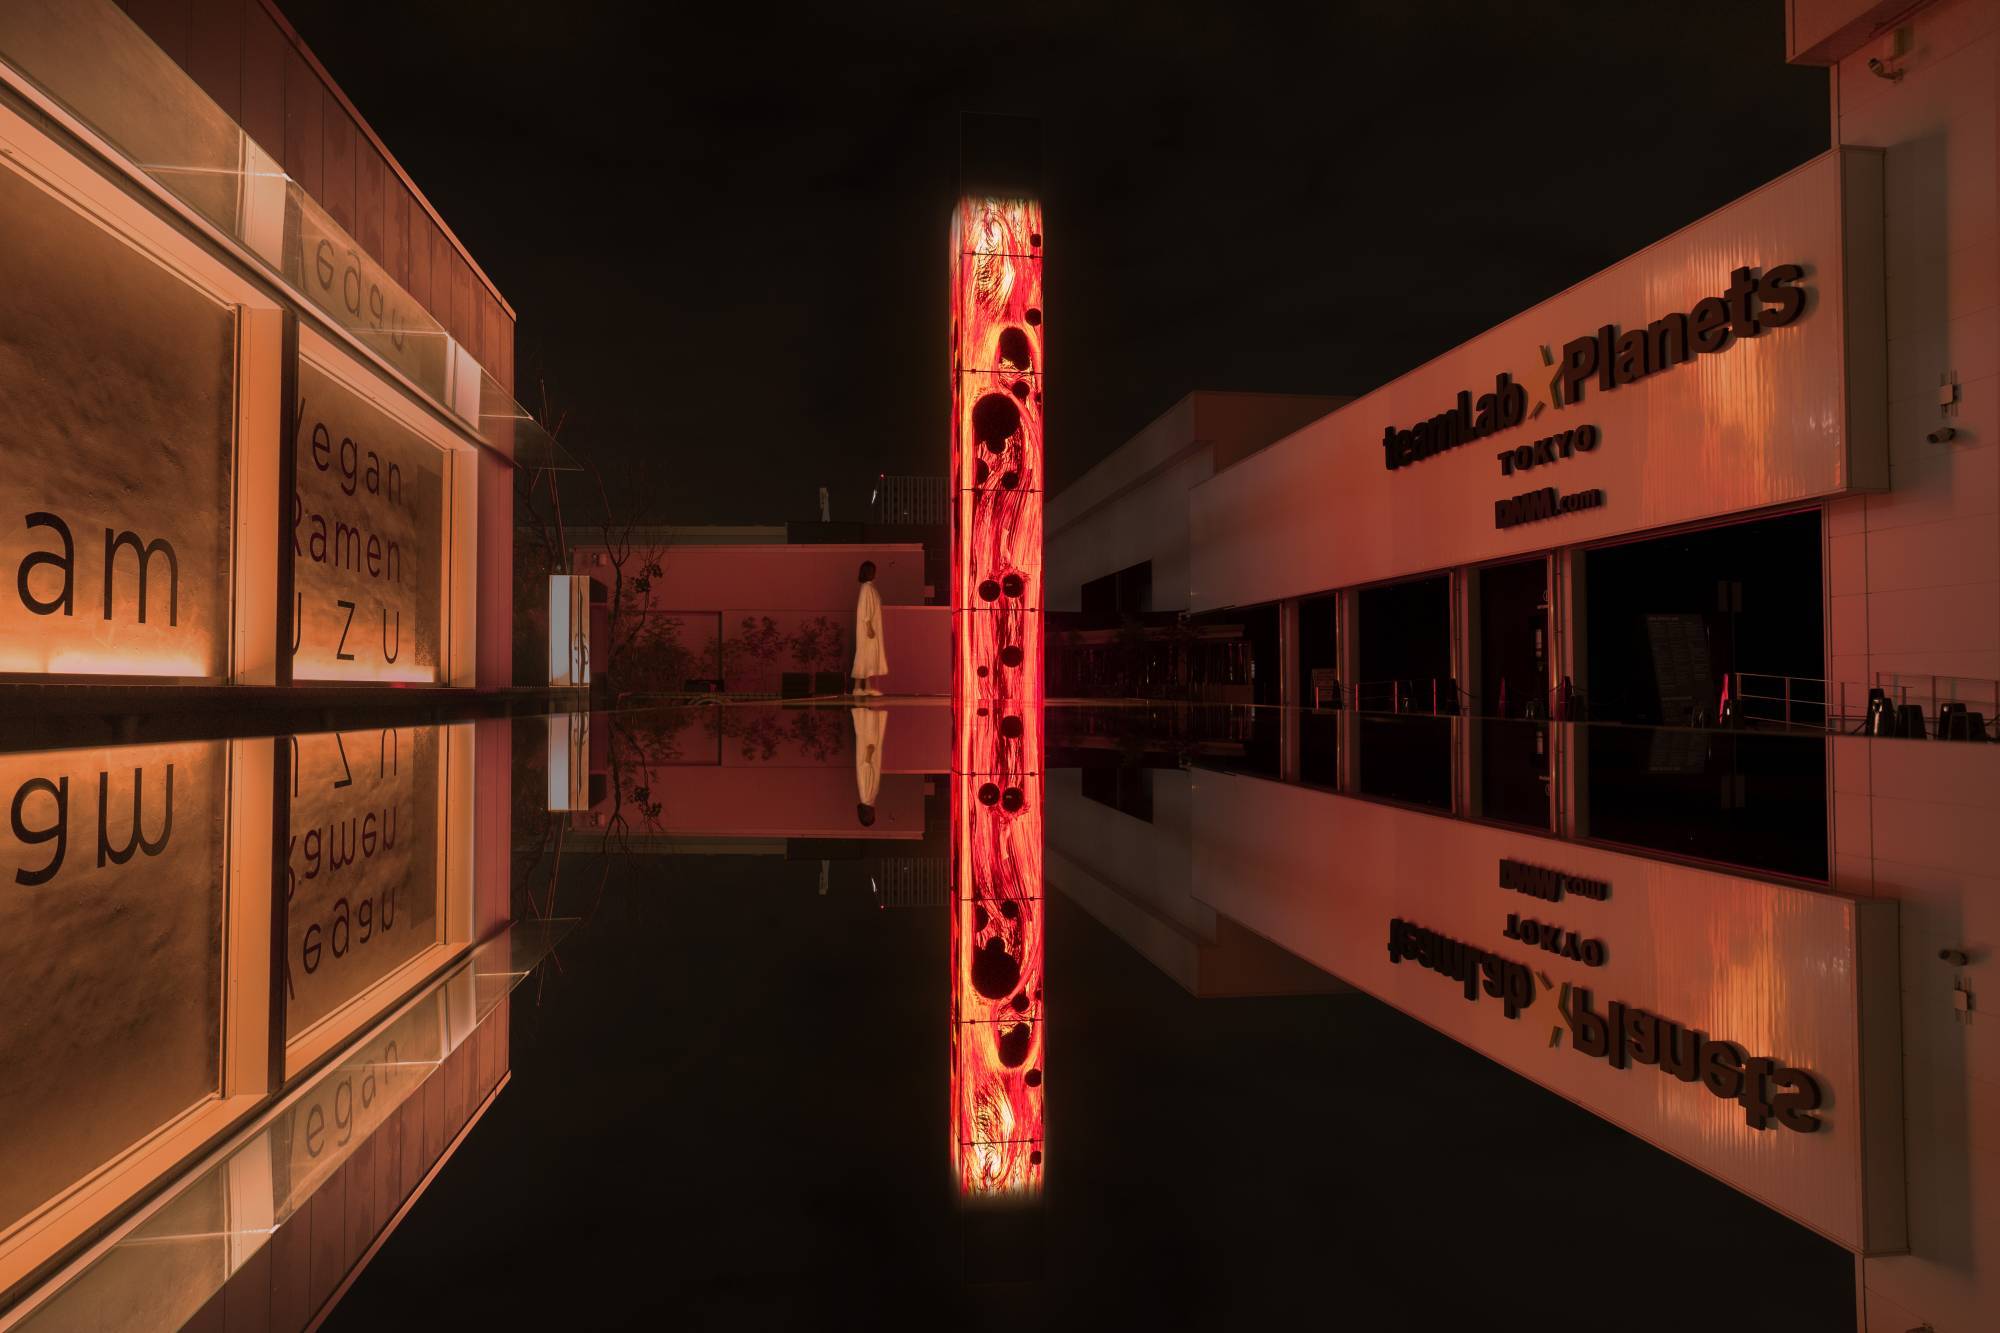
(724,227)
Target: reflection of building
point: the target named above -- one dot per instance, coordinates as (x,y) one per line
(260,451)
(1599,598)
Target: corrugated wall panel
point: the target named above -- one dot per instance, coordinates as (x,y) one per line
(167,22)
(396,232)
(215,53)
(371,198)
(264,57)
(337,137)
(304,148)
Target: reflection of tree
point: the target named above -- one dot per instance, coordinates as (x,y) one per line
(819,734)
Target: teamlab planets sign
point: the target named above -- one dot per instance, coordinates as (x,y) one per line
(117,401)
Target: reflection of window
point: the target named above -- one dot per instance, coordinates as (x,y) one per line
(111,977)
(1124,787)
(365,882)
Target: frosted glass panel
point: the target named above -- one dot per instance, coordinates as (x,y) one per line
(116,393)
(367,540)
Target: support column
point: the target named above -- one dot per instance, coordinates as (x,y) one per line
(1291,692)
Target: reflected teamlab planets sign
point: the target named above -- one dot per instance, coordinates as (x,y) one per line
(117,400)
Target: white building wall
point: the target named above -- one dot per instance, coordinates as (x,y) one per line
(1914,585)
(1133,506)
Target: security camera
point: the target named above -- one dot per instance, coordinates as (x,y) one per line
(1941,434)
(1955,957)
(1882,71)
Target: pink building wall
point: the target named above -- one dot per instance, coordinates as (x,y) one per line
(748,614)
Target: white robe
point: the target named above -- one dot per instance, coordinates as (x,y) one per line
(870,658)
(869,726)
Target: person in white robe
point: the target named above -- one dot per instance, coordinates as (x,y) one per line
(869,726)
(871,659)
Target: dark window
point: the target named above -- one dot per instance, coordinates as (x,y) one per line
(1319,689)
(1668,622)
(1406,692)
(1512,700)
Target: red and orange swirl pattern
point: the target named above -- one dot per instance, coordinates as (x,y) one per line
(998,1089)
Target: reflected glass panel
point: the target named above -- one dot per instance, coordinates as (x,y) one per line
(110,956)
(1745,798)
(363,889)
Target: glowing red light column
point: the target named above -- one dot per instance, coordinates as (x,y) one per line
(996,810)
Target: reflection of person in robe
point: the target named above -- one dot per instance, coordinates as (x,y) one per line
(870,659)
(869,724)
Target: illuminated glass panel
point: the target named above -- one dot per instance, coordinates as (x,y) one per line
(997,1112)
(117,392)
(368,540)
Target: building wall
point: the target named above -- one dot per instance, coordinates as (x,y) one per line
(1132,506)
(1914,589)
(1136,876)
(253,64)
(717,592)
(1789,415)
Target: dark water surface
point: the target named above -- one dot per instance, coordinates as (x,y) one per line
(729,1109)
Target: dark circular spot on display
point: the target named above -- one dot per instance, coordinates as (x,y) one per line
(1038,398)
(988,590)
(1010,479)
(1011,656)
(994,971)
(1020,390)
(1015,349)
(1014,1045)
(1034,316)
(979,471)
(989,793)
(1012,800)
(1012,585)
(995,419)
(979,918)
(1021,1003)
(982,712)
(982,671)
(1035,1157)
(1010,727)
(1034,238)
(1010,909)
(1033,1078)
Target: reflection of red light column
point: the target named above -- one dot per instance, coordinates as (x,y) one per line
(996,807)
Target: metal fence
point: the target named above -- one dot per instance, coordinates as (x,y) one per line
(914,500)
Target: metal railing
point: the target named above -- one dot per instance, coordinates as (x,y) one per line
(921,501)
(1903,704)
